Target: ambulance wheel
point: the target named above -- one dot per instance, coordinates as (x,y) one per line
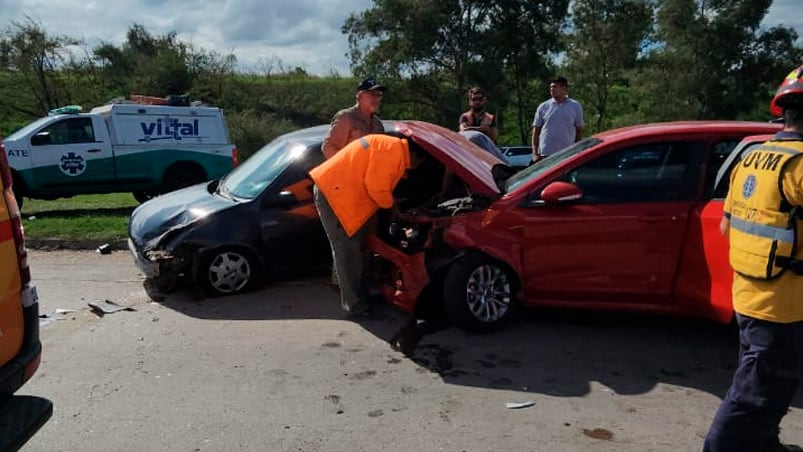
(142,196)
(227,271)
(478,293)
(19,197)
(18,191)
(182,175)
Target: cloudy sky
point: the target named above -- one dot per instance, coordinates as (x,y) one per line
(303,33)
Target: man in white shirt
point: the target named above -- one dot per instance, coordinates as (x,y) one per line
(558,121)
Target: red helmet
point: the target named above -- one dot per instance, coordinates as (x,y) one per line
(791,85)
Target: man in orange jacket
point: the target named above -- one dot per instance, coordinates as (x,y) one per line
(350,188)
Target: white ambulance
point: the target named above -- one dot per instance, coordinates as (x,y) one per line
(120,147)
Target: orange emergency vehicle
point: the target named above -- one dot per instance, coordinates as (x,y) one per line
(20,348)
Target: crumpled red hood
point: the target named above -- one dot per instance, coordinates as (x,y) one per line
(468,161)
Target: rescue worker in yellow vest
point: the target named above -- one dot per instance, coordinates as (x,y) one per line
(350,188)
(762,221)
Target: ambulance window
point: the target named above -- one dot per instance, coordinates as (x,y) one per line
(68,131)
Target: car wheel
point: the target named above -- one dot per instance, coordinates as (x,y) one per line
(227,271)
(478,294)
(159,287)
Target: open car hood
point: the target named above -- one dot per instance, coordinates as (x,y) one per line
(483,172)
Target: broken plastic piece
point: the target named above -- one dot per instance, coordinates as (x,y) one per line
(518,405)
(107,307)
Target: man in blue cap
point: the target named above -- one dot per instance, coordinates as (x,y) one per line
(356,121)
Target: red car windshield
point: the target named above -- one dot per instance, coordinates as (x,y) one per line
(546,164)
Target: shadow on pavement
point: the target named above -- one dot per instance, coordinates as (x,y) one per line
(553,352)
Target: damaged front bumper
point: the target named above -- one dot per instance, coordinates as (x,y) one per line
(151,269)
(403,276)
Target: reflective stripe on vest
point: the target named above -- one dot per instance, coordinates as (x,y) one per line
(764,230)
(761,230)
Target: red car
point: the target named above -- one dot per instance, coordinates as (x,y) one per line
(625,220)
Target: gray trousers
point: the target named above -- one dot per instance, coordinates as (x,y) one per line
(348,255)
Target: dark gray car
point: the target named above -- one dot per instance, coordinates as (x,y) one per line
(233,234)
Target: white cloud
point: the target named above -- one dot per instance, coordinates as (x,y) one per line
(304,33)
(786,13)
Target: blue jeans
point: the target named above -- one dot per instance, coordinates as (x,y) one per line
(764,384)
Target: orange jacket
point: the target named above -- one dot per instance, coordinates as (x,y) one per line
(359,180)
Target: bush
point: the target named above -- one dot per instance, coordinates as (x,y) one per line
(250,130)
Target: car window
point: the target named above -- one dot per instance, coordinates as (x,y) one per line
(299,152)
(647,172)
(721,189)
(296,179)
(70,131)
(252,176)
(719,153)
(544,165)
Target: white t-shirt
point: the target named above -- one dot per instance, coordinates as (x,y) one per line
(559,122)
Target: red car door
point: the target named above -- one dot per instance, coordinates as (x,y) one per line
(622,241)
(703,286)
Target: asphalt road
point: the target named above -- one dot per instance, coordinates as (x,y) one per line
(282,370)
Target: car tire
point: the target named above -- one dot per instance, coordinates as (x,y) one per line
(228,271)
(478,294)
(159,287)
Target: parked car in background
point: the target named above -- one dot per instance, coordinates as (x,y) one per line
(120,147)
(518,156)
(229,235)
(20,348)
(625,220)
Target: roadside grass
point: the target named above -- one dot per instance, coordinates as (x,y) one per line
(85,218)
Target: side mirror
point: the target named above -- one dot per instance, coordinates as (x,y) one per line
(559,191)
(41,138)
(282,200)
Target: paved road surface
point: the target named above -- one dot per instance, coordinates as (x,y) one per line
(282,370)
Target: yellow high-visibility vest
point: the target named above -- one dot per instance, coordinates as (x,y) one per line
(763,227)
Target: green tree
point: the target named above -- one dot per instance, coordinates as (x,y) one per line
(705,65)
(525,36)
(34,59)
(440,48)
(607,40)
(210,74)
(146,64)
